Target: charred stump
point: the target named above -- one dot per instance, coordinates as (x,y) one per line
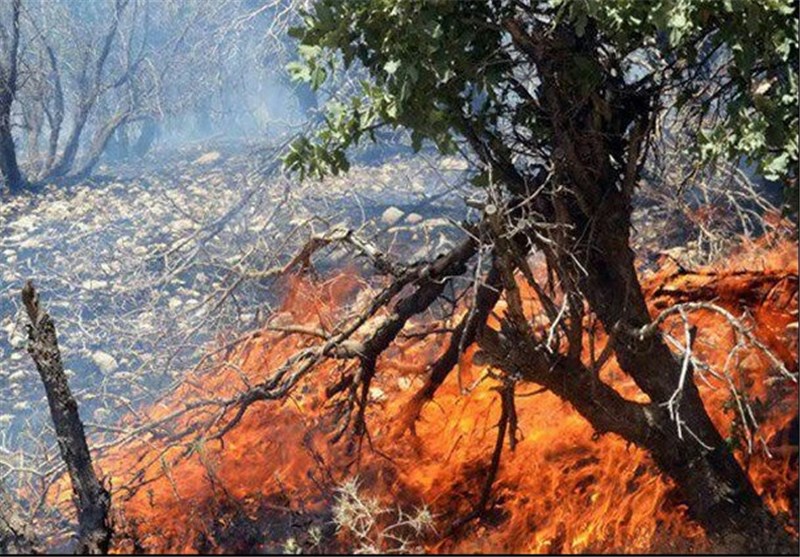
(92,500)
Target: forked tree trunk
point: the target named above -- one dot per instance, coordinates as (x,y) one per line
(597,142)
(100,143)
(67,160)
(718,492)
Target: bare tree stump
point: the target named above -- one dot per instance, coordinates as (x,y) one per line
(92,500)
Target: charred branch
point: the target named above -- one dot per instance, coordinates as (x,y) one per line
(92,500)
(464,335)
(16,535)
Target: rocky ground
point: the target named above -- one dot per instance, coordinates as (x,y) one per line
(146,263)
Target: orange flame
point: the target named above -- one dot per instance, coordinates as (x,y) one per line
(563,489)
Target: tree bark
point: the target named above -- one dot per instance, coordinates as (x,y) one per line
(55,117)
(8,90)
(8,154)
(716,489)
(597,141)
(100,142)
(146,138)
(91,498)
(717,492)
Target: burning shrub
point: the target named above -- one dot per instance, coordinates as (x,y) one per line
(562,488)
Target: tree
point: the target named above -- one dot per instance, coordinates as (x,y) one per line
(558,105)
(86,75)
(9,44)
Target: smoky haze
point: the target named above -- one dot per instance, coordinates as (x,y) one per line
(113,79)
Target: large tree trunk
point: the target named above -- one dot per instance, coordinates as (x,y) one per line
(717,492)
(598,137)
(716,489)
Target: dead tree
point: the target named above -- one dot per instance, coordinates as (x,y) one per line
(92,500)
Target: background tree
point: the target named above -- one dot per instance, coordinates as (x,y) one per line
(87,78)
(558,106)
(9,70)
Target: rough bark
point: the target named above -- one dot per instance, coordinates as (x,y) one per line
(91,498)
(598,139)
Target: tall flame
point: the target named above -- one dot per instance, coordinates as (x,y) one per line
(563,489)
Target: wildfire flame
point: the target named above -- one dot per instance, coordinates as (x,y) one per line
(563,489)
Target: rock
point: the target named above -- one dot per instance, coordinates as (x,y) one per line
(437,223)
(182,224)
(25,222)
(105,361)
(391,216)
(30,243)
(377,394)
(414,218)
(92,284)
(100,415)
(208,158)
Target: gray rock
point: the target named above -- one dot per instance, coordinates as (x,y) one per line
(391,216)
(414,218)
(105,361)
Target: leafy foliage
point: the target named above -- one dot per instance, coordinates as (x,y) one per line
(728,67)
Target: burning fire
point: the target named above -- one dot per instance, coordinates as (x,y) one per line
(563,489)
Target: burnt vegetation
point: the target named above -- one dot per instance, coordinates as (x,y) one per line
(507,276)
